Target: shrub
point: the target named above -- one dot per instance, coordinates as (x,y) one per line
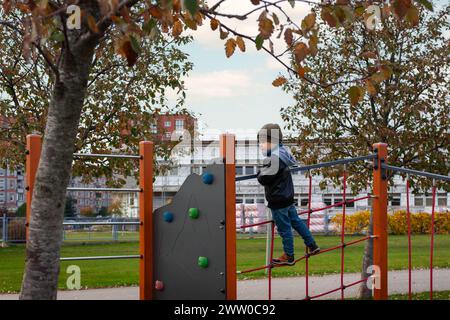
(87,212)
(397,223)
(16,230)
(420,222)
(22,210)
(355,223)
(358,222)
(442,220)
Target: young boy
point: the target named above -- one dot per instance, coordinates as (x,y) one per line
(276,178)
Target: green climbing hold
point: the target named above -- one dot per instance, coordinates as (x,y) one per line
(203,262)
(193,213)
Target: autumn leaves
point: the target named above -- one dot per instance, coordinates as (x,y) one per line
(231,44)
(132,21)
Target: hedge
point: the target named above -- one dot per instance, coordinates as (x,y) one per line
(358,222)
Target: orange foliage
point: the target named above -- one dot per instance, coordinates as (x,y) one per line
(355,223)
(397,224)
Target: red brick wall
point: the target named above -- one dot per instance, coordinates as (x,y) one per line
(189,123)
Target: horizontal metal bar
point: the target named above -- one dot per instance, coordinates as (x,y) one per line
(318,165)
(104,189)
(106,155)
(333,163)
(416,172)
(133,223)
(248,177)
(136,256)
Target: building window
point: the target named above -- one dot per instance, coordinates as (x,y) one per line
(336,198)
(154,128)
(303,199)
(239,170)
(426,199)
(249,170)
(418,200)
(168,135)
(239,200)
(394,199)
(442,199)
(179,124)
(304,202)
(167,124)
(252,198)
(327,199)
(260,200)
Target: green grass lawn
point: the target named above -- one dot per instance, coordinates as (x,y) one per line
(100,273)
(84,236)
(251,253)
(440,295)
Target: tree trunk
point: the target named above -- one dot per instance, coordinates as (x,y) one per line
(364,292)
(53,175)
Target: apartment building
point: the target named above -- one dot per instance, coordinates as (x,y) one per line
(12,189)
(89,201)
(249,192)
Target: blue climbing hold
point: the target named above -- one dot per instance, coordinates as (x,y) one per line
(168,216)
(207,178)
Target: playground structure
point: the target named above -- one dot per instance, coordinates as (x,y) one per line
(188,247)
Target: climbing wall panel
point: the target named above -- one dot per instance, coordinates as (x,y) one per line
(189,240)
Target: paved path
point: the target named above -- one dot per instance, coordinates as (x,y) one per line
(283,288)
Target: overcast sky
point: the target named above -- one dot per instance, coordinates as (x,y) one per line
(236,93)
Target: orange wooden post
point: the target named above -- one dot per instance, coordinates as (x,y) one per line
(380,225)
(227,151)
(33,154)
(146,219)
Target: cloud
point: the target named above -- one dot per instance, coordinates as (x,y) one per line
(219,84)
(273,65)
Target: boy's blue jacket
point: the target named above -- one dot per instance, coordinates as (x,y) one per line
(276,178)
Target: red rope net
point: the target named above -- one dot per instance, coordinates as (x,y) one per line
(307,256)
(432,231)
(432,239)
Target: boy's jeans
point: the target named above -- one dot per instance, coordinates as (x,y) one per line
(286,219)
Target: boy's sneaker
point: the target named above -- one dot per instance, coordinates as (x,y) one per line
(313,249)
(285,259)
